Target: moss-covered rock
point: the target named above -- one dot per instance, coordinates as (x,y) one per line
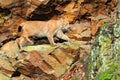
(104,60)
(4,77)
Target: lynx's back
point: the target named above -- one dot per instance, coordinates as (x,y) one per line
(34,27)
(43,29)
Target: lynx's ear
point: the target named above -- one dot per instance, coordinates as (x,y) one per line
(66,18)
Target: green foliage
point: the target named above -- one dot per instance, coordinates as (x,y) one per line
(104,60)
(76,77)
(117,30)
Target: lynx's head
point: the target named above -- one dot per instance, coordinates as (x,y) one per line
(64,24)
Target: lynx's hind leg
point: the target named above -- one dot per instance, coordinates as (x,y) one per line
(19,42)
(27,39)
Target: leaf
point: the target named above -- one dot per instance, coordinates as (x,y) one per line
(116,30)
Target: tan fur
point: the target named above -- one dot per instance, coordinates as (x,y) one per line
(43,29)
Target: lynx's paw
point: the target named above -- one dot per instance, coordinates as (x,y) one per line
(71,40)
(54,44)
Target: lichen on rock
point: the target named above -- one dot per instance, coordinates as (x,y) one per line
(104,59)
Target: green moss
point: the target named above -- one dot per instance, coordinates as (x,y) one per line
(4,77)
(76,77)
(116,30)
(45,47)
(104,60)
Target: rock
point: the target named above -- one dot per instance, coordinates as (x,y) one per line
(4,3)
(10,49)
(104,60)
(4,77)
(39,2)
(5,66)
(72,10)
(21,77)
(43,49)
(33,65)
(45,59)
(79,31)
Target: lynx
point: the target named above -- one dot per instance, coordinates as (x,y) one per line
(47,29)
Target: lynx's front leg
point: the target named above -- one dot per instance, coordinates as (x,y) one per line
(51,40)
(21,40)
(61,35)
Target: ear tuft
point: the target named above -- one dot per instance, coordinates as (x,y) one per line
(66,18)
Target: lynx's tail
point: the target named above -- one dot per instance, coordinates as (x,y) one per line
(20,29)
